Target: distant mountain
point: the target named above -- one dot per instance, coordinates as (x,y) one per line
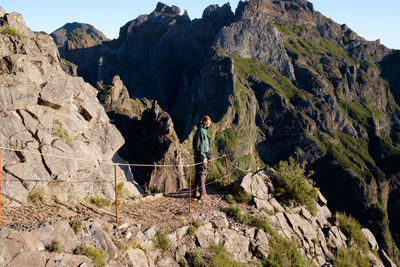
(77,36)
(279,79)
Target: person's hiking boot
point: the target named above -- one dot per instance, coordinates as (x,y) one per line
(196,194)
(204,197)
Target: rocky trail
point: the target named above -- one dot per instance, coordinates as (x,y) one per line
(166,213)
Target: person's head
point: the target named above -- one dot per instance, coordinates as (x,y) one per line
(206,120)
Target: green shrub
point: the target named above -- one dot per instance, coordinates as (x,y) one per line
(100,202)
(243,197)
(76,224)
(96,255)
(182,263)
(352,229)
(162,241)
(230,199)
(195,259)
(55,246)
(191,230)
(58,130)
(236,213)
(220,259)
(294,184)
(12,31)
(347,256)
(36,196)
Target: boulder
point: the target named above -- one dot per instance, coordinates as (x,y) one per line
(137,258)
(373,244)
(236,245)
(167,262)
(256,184)
(261,244)
(207,236)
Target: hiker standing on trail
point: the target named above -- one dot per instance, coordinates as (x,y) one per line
(201,147)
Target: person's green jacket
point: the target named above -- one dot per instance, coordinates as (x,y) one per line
(201,143)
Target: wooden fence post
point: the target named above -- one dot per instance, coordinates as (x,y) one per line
(227,170)
(116,194)
(1,169)
(190,189)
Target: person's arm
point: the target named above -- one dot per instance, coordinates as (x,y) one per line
(203,146)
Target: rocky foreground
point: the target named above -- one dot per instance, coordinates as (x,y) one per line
(158,231)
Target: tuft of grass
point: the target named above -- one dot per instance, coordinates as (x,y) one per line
(96,255)
(76,225)
(294,184)
(191,230)
(58,130)
(12,32)
(230,199)
(236,213)
(352,229)
(55,246)
(120,186)
(162,241)
(220,259)
(243,197)
(347,256)
(195,259)
(100,202)
(183,263)
(36,196)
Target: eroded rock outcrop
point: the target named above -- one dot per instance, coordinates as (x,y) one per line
(150,138)
(61,141)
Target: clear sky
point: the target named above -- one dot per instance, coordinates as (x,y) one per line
(371,19)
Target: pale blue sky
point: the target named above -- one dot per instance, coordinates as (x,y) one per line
(371,19)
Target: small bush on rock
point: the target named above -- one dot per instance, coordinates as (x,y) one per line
(55,246)
(243,197)
(36,196)
(76,225)
(162,241)
(96,255)
(100,202)
(347,256)
(294,184)
(221,259)
(194,259)
(352,229)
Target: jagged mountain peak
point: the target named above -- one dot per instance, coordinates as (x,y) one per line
(282,11)
(164,9)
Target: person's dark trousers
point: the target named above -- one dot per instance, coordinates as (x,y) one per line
(200,175)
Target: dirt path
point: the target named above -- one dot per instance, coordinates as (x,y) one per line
(165,213)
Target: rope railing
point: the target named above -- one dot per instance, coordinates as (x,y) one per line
(116,180)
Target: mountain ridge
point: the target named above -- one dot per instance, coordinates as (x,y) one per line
(335,111)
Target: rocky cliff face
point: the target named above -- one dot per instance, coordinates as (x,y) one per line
(57,140)
(150,138)
(298,85)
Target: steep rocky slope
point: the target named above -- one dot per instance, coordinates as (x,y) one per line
(56,139)
(298,85)
(215,234)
